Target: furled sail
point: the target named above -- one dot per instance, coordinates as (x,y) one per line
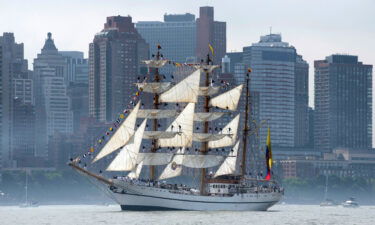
(158,134)
(186,90)
(155,63)
(121,136)
(134,174)
(228,100)
(126,160)
(203,137)
(229,164)
(202,161)
(154,87)
(207,116)
(206,68)
(231,130)
(174,168)
(208,91)
(154,159)
(156,113)
(184,125)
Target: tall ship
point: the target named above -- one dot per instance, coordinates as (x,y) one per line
(187,143)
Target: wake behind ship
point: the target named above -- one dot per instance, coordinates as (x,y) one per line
(197,106)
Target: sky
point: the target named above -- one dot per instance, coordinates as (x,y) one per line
(317,28)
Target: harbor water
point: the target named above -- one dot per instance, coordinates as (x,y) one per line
(93,215)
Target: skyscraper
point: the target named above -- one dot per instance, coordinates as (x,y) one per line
(311,128)
(79,97)
(1,109)
(78,88)
(176,35)
(235,57)
(275,67)
(343,103)
(301,114)
(12,66)
(77,67)
(52,104)
(114,65)
(210,32)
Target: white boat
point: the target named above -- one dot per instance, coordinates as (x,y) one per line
(350,203)
(225,189)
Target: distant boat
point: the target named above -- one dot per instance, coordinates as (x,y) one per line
(27,203)
(327,201)
(351,203)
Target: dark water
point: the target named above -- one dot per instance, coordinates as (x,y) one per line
(279,214)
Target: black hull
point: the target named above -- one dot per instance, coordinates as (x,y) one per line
(146,208)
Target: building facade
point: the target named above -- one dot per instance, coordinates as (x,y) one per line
(77,67)
(176,34)
(210,32)
(301,97)
(23,135)
(12,66)
(78,88)
(115,62)
(275,66)
(52,104)
(23,89)
(235,57)
(343,103)
(1,111)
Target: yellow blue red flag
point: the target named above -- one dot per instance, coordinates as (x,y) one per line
(268,155)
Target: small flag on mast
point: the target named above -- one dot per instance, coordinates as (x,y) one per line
(211,49)
(268,155)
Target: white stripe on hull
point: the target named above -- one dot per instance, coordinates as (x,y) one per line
(149,197)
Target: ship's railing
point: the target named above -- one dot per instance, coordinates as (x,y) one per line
(251,188)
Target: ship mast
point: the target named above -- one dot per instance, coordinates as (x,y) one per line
(204,145)
(155,120)
(246,127)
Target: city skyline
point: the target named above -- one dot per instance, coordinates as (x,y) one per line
(309,28)
(186,96)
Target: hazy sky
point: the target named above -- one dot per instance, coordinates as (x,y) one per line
(317,28)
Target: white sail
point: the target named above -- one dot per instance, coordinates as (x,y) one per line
(158,134)
(154,159)
(228,100)
(126,160)
(229,164)
(231,130)
(184,125)
(209,116)
(134,174)
(121,136)
(174,168)
(186,90)
(155,63)
(203,137)
(156,113)
(202,161)
(154,87)
(208,91)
